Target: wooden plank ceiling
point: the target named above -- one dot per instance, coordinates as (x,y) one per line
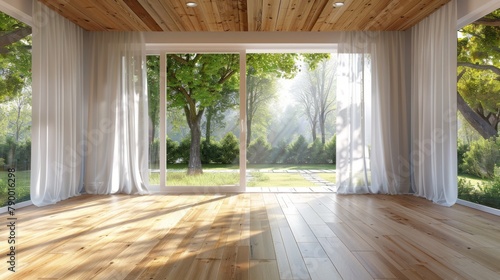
(244,15)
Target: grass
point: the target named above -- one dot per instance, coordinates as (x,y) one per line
(22,184)
(278,180)
(179,178)
(209,179)
(205,179)
(473,180)
(330,177)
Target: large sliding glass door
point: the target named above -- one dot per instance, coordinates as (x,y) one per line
(213,107)
(195,127)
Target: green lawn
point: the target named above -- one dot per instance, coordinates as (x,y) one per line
(330,177)
(176,176)
(475,181)
(208,179)
(22,184)
(278,180)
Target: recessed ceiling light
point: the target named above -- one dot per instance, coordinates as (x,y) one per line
(191,4)
(338,4)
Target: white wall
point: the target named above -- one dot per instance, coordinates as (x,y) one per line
(250,41)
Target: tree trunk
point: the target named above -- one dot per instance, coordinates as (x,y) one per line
(208,126)
(249,131)
(194,120)
(482,126)
(322,128)
(152,132)
(194,166)
(313,131)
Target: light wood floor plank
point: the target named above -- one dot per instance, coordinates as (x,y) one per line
(322,269)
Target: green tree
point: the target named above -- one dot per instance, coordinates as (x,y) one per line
(196,82)
(15,57)
(15,90)
(297,153)
(481,158)
(262,72)
(316,97)
(153,79)
(316,152)
(479,74)
(16,116)
(229,149)
(258,151)
(215,113)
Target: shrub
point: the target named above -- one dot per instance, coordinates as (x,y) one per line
(258,151)
(331,150)
(279,153)
(316,152)
(297,152)
(210,152)
(23,155)
(173,151)
(462,149)
(229,149)
(184,149)
(15,154)
(481,158)
(154,152)
(487,194)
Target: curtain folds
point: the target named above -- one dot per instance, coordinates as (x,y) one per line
(434,106)
(372,121)
(90,114)
(117,151)
(58,123)
(389,142)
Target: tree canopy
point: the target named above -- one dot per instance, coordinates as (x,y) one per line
(15,57)
(207,85)
(316,96)
(196,82)
(263,69)
(479,74)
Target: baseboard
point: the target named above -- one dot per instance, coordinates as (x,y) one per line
(17,206)
(479,207)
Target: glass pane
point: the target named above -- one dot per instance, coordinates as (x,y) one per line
(15,110)
(153,71)
(478,119)
(202,120)
(290,120)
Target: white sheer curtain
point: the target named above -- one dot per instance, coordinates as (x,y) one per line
(117,147)
(57,132)
(434,106)
(372,128)
(353,95)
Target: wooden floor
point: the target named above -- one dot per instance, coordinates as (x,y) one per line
(253,236)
